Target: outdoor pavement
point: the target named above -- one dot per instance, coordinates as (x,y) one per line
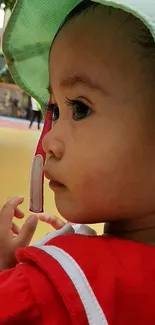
(18,124)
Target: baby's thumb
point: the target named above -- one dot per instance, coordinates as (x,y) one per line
(27,231)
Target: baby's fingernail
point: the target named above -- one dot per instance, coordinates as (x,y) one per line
(60,222)
(46,217)
(17,198)
(33,218)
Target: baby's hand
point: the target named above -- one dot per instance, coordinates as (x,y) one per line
(11,237)
(54,221)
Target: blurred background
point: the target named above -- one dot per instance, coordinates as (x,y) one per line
(17,140)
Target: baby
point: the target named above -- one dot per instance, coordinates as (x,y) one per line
(100,162)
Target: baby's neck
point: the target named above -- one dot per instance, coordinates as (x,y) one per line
(141,230)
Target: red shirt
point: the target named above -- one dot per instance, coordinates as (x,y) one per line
(121,274)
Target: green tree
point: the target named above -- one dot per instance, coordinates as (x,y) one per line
(9,4)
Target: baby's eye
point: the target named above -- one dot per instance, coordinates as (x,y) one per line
(80,109)
(55,112)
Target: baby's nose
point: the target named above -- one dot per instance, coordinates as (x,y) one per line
(52,146)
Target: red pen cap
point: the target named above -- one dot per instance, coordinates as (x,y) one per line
(37,174)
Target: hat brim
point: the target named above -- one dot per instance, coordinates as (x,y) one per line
(31,29)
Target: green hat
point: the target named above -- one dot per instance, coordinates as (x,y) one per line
(32,28)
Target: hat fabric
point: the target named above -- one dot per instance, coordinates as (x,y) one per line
(32,28)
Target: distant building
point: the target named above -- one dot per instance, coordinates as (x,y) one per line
(13,101)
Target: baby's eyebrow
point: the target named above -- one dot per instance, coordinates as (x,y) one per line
(83,80)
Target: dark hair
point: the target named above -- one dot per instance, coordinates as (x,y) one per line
(142,34)
(82,7)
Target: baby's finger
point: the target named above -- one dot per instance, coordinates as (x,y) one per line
(26,232)
(55,222)
(8,210)
(15,229)
(18,213)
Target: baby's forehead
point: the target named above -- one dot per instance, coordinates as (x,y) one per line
(105,27)
(101,31)
(100,42)
(105,18)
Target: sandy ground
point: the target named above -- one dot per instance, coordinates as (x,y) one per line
(17,145)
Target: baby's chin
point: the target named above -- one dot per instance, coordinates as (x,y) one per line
(77,214)
(74,215)
(80,216)
(91,213)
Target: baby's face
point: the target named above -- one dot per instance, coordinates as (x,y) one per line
(102,145)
